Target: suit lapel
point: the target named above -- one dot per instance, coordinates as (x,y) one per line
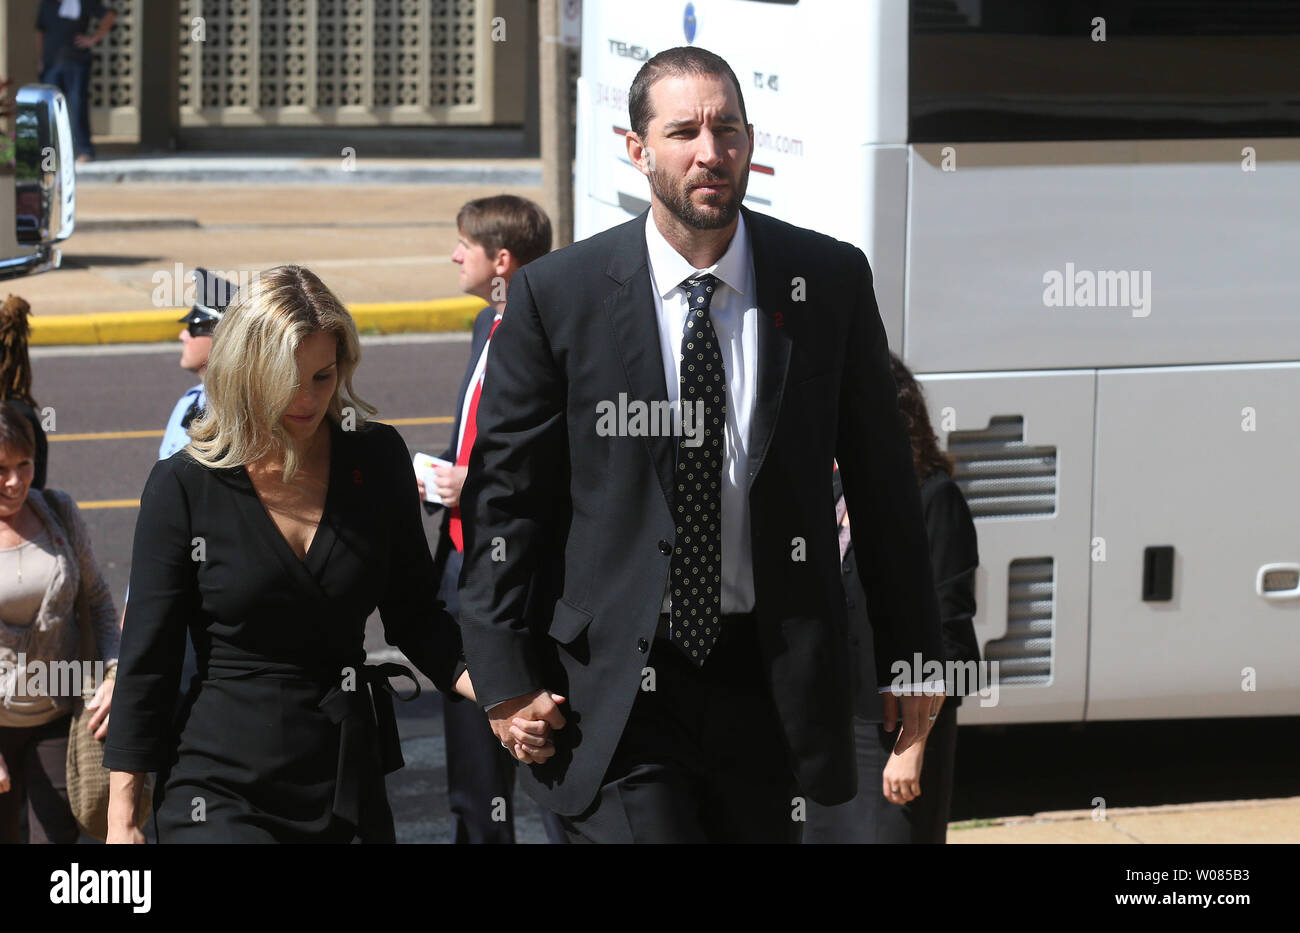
(773,283)
(631,312)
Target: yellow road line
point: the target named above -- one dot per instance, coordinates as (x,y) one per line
(384,317)
(440,419)
(109,504)
(129,435)
(103,436)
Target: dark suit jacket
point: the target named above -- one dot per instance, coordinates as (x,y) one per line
(580,328)
(954,556)
(482,327)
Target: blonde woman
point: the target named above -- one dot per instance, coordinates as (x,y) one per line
(272,536)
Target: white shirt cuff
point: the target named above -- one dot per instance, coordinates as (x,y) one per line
(929,688)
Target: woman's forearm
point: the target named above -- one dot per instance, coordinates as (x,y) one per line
(124,791)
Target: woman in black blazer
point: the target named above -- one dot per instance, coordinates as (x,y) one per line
(272,536)
(907,798)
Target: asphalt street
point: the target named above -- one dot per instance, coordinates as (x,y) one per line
(110,404)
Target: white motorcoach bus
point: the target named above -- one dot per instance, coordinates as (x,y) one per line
(1085,233)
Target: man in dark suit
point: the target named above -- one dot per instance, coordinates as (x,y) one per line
(494,237)
(699,645)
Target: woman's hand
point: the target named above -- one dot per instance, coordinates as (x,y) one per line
(4,776)
(901,781)
(101,703)
(464,687)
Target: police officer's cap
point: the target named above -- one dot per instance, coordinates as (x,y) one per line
(212,296)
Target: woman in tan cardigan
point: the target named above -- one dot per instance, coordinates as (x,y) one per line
(45,560)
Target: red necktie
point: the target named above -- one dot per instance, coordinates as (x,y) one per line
(467,444)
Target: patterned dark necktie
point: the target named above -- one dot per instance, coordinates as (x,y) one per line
(696,566)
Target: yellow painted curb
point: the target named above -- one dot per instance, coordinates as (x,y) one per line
(385,317)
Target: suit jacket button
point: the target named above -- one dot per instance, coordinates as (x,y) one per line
(665,547)
(642,645)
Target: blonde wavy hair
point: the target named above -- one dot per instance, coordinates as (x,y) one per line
(252,373)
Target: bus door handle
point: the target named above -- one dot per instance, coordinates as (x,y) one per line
(1278,581)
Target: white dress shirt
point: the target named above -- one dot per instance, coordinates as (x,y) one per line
(480,367)
(734,313)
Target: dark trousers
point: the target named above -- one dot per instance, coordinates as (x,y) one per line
(480,773)
(869,817)
(702,757)
(37,761)
(73,79)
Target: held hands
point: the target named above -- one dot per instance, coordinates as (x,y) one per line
(918,715)
(523,725)
(901,780)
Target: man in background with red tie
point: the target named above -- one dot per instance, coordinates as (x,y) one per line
(495,237)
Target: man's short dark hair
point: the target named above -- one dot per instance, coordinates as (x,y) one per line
(506,222)
(683,60)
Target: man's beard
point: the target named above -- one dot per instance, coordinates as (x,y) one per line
(679,203)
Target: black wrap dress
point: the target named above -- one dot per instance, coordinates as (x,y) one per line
(284,734)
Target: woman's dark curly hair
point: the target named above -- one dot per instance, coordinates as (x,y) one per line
(926,455)
(15,367)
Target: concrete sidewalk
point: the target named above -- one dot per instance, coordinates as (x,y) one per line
(379,233)
(345,169)
(1232,821)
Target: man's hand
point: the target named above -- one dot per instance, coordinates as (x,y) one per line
(85,42)
(523,724)
(919,713)
(447,482)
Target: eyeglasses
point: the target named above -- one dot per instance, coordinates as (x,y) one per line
(201,328)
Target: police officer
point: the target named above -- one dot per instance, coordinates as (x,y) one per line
(213,295)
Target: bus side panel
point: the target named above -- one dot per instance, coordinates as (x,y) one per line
(1032,583)
(1097,254)
(882,217)
(1203,459)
